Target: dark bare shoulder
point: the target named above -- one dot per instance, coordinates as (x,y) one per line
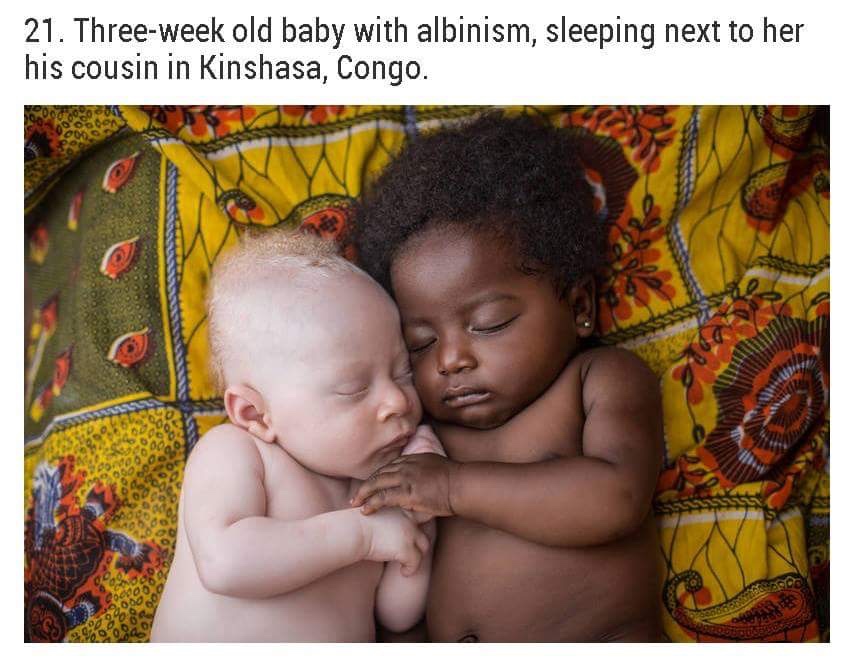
(611,372)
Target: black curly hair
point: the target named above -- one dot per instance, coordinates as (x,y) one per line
(516,176)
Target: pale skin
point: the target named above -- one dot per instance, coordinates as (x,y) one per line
(545,530)
(268,548)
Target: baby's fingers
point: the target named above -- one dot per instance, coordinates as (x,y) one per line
(390,497)
(374,484)
(410,562)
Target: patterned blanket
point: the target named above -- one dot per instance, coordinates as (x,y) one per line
(718,278)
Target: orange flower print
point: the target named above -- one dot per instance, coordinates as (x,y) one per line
(633,276)
(313,114)
(686,477)
(42,140)
(773,394)
(645,130)
(201,120)
(740,318)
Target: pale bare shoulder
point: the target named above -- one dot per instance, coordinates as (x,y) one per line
(225,447)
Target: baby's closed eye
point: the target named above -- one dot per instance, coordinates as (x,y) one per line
(352,389)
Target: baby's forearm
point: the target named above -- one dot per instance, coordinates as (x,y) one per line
(401,600)
(261,557)
(566,502)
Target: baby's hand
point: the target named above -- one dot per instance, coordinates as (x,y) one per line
(391,535)
(424,441)
(415,483)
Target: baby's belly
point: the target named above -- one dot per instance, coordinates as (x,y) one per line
(338,608)
(490,586)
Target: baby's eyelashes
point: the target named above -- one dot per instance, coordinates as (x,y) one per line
(490,328)
(419,346)
(351,389)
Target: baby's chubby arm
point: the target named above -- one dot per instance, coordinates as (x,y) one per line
(592,499)
(401,600)
(239,551)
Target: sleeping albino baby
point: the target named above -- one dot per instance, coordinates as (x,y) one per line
(319,394)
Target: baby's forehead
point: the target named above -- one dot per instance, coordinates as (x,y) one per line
(302,308)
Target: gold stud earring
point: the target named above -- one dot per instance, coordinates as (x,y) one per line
(585,324)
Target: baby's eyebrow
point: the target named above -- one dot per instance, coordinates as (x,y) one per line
(490,297)
(350,371)
(483,299)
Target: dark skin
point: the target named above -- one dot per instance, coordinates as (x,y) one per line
(545,532)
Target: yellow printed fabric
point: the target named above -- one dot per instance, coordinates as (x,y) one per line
(718,277)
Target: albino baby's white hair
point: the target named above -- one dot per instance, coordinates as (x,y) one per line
(306,258)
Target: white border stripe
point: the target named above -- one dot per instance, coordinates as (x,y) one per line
(784,278)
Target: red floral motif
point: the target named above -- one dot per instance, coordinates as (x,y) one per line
(633,275)
(767,193)
(69,548)
(313,114)
(687,477)
(697,473)
(741,317)
(773,394)
(241,207)
(42,140)
(787,127)
(646,130)
(328,216)
(201,120)
(329,223)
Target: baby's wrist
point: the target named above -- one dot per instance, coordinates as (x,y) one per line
(361,534)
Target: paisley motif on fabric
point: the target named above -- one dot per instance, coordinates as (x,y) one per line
(119,172)
(765,609)
(75,211)
(130,349)
(119,258)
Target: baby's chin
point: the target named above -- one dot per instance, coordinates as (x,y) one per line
(474,418)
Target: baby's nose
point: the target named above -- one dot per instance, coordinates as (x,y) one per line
(454,357)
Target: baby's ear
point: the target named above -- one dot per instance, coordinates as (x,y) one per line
(582,300)
(246,409)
